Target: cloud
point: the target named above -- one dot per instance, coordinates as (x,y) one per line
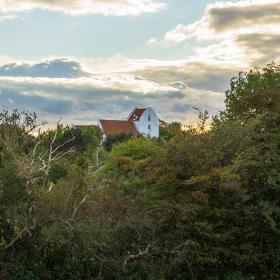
(84,7)
(228,38)
(196,74)
(10,99)
(262,47)
(181,33)
(152,41)
(182,108)
(90,96)
(59,68)
(224,19)
(133,75)
(243,14)
(227,31)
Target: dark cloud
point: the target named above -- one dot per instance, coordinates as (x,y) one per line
(117,105)
(179,85)
(194,74)
(89,90)
(59,68)
(12,99)
(265,45)
(235,15)
(245,32)
(182,108)
(175,95)
(60,97)
(62,88)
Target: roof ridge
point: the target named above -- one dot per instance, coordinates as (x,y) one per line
(129,116)
(136,114)
(114,120)
(119,126)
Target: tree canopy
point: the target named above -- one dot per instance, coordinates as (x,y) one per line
(196,203)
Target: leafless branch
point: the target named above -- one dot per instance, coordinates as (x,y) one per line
(18,237)
(76,208)
(177,251)
(138,255)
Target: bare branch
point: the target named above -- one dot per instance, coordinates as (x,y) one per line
(78,207)
(18,237)
(138,255)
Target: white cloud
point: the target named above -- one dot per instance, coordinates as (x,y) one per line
(152,41)
(83,7)
(181,33)
(226,19)
(93,95)
(228,30)
(233,36)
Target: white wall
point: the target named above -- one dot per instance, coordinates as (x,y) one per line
(143,124)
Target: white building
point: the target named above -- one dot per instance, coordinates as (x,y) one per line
(142,121)
(146,122)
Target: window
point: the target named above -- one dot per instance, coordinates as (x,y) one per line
(149,118)
(149,127)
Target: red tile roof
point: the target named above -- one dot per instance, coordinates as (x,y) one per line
(114,127)
(136,114)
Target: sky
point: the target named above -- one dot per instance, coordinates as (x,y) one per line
(82,60)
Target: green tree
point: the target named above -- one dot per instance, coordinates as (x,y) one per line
(115,139)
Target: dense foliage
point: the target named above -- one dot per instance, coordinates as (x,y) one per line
(115,139)
(197,203)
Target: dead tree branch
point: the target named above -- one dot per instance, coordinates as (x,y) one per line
(138,255)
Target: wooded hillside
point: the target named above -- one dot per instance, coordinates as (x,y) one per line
(195,204)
